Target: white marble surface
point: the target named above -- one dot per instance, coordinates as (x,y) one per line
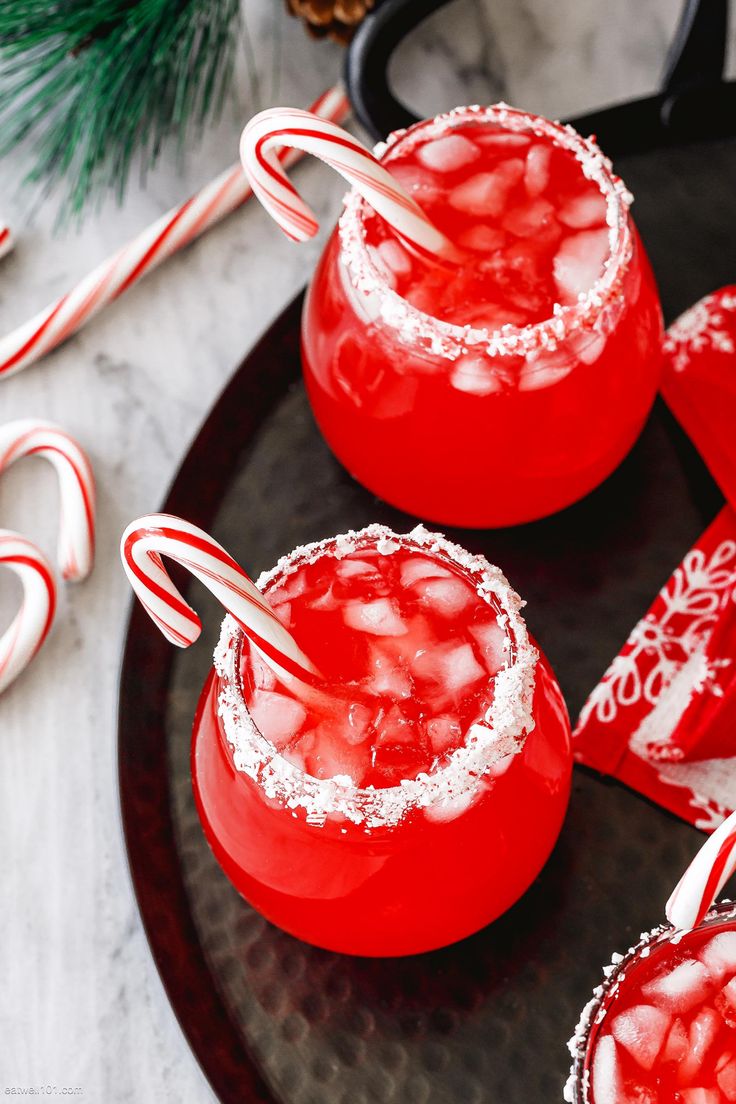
(81,1004)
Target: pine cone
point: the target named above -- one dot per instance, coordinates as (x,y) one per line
(336,18)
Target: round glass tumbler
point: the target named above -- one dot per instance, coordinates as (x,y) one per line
(661,1027)
(507,388)
(426,801)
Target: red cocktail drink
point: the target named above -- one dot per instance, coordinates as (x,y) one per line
(661,1029)
(508,386)
(412,799)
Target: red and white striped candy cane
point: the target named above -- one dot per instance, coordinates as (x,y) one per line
(149,538)
(270,130)
(34,437)
(704,879)
(6,238)
(180,226)
(22,639)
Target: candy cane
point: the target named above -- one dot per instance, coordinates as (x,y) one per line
(133,261)
(282,126)
(6,238)
(22,639)
(704,879)
(149,538)
(33,437)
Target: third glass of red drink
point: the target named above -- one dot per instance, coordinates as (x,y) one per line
(662,1028)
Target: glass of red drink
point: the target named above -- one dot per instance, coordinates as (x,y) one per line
(389,814)
(660,1029)
(508,387)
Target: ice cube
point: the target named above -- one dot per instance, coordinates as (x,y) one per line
(726,1075)
(387,678)
(475,375)
(444,732)
(448,154)
(544,369)
(579,262)
(528,218)
(283,612)
(498,139)
(397,748)
(676,1046)
(379,618)
(491,317)
(536,171)
(582,211)
(448,808)
(481,238)
(641,1031)
(451,667)
(348,569)
(528,301)
(421,567)
(447,597)
(719,955)
(277,717)
(607,1082)
(295,757)
(397,259)
(500,766)
(588,346)
(725,1002)
(293,586)
(358,726)
(327,755)
(264,677)
(699,1096)
(680,989)
(385,272)
(485,193)
(703,1031)
(491,641)
(394,729)
(424,186)
(324,601)
(424,295)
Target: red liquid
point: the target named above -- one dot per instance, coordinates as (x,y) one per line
(458,435)
(669,1033)
(534,229)
(403,702)
(407,647)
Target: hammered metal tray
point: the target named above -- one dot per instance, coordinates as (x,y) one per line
(485,1021)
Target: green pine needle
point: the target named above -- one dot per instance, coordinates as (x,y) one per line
(90,83)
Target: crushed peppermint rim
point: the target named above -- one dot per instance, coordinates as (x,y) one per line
(503,731)
(447,339)
(578,1082)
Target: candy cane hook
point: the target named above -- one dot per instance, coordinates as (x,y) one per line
(33,437)
(149,538)
(134,260)
(270,130)
(705,877)
(23,638)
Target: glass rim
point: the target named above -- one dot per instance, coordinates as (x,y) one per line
(450,340)
(500,732)
(596,1009)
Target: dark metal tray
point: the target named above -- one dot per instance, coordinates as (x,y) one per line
(485,1021)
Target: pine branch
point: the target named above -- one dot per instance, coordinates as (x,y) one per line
(92,82)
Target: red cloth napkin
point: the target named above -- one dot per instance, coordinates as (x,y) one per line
(699,382)
(663,718)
